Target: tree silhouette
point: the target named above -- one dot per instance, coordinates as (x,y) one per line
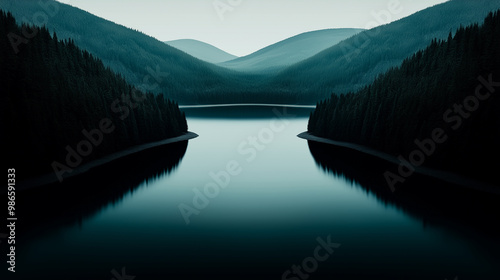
(410,101)
(52,91)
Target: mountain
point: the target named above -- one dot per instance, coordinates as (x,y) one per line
(154,66)
(357,61)
(438,109)
(142,60)
(61,106)
(201,50)
(290,51)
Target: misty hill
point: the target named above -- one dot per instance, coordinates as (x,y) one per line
(201,50)
(56,97)
(290,51)
(440,103)
(157,67)
(356,62)
(142,60)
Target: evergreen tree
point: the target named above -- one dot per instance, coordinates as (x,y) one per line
(51,91)
(409,102)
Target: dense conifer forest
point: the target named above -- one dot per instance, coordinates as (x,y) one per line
(135,55)
(447,92)
(359,60)
(54,96)
(347,66)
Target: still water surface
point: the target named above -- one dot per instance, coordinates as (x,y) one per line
(283,198)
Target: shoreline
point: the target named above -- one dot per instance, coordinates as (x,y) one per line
(245,105)
(51,177)
(445,176)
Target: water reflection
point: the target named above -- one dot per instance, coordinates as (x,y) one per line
(83,196)
(434,202)
(265,221)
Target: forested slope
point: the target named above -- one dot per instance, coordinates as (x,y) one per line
(447,93)
(279,56)
(55,96)
(152,65)
(141,60)
(201,50)
(356,62)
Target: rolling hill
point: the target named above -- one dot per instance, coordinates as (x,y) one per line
(201,50)
(142,60)
(262,77)
(55,95)
(411,105)
(290,51)
(357,61)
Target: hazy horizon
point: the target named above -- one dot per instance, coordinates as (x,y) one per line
(337,154)
(241,27)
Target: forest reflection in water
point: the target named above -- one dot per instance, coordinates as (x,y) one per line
(84,195)
(430,200)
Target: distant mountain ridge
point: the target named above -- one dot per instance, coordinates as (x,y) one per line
(357,61)
(264,76)
(407,112)
(55,95)
(202,50)
(290,51)
(142,60)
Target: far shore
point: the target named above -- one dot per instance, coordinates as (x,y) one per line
(446,176)
(52,178)
(245,105)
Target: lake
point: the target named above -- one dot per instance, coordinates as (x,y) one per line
(248,199)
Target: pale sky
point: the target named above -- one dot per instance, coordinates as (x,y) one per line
(241,27)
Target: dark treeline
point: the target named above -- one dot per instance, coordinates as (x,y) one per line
(51,91)
(437,88)
(359,60)
(143,61)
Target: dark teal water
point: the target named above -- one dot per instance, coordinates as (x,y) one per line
(276,199)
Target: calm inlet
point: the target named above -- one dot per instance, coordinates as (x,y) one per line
(248,199)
